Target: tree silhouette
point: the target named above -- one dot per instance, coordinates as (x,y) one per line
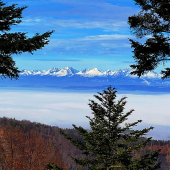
(153,20)
(111,144)
(15,43)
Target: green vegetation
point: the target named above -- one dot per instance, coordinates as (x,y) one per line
(108,140)
(153,20)
(15,43)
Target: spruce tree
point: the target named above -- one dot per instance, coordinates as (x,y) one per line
(153,20)
(15,43)
(109,141)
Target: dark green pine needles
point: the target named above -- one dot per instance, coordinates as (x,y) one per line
(15,43)
(110,141)
(152,21)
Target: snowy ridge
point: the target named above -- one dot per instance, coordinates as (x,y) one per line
(69,71)
(70,78)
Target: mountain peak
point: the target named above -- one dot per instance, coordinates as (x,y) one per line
(95,69)
(68,68)
(69,71)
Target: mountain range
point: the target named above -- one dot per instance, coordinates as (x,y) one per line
(71,78)
(69,71)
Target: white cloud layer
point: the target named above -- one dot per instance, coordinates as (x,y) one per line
(64,109)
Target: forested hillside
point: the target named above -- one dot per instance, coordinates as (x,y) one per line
(30,145)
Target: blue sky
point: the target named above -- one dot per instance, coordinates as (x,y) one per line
(87,33)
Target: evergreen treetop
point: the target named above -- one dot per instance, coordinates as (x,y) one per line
(108,142)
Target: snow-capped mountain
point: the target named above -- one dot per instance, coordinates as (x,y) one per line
(53,72)
(88,78)
(69,71)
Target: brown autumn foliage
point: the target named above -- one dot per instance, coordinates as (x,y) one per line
(15,152)
(25,151)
